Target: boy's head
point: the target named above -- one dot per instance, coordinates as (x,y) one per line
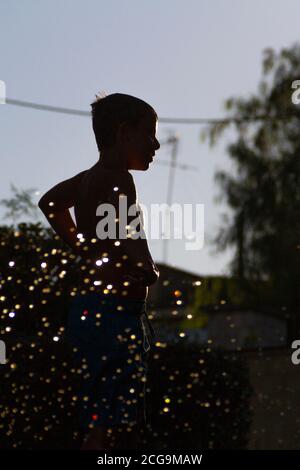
(127,124)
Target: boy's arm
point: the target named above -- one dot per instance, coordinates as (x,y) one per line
(55,205)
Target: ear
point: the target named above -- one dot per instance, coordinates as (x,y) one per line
(124,132)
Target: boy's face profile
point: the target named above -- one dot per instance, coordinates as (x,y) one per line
(141,143)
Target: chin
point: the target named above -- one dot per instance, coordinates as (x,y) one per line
(141,168)
(140,165)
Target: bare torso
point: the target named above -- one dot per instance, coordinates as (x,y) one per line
(96,187)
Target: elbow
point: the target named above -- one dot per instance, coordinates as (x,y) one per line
(45,205)
(42,204)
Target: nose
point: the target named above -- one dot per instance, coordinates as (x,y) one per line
(157,144)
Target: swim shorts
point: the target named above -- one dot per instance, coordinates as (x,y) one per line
(111,338)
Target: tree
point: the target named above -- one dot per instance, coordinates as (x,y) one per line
(20,204)
(264,195)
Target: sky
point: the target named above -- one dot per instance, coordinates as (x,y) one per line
(183,57)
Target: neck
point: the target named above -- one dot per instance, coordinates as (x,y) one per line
(112,159)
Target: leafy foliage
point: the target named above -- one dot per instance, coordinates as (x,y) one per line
(264,193)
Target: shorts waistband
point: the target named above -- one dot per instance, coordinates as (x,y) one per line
(133,307)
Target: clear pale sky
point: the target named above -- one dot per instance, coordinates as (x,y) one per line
(183,57)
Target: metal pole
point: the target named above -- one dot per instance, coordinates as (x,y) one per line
(174,141)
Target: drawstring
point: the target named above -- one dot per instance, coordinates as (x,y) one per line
(135,307)
(150,327)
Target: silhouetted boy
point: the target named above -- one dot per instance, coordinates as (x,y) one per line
(106,322)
